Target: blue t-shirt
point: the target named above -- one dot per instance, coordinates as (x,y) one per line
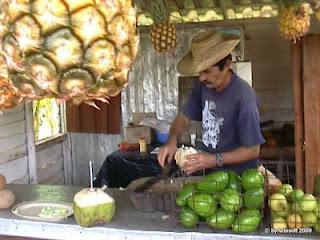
(230,118)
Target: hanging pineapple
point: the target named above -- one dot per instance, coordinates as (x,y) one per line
(163,33)
(68,49)
(9,95)
(315,5)
(294,19)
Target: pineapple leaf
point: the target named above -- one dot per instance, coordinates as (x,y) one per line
(157,9)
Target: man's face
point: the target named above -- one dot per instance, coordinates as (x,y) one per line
(213,77)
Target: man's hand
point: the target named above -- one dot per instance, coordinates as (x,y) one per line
(199,161)
(178,127)
(166,153)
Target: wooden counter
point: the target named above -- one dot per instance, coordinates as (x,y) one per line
(128,223)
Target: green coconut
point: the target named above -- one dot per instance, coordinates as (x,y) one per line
(92,207)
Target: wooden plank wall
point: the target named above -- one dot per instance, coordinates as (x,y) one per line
(50,165)
(90,147)
(87,119)
(271,71)
(13,145)
(14,159)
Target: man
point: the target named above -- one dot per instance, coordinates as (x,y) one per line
(226,105)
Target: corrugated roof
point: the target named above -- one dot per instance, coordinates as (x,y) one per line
(211,10)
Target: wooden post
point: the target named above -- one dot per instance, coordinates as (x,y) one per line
(31,145)
(297,83)
(67,160)
(311,101)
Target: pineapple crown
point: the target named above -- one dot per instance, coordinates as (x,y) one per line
(157,8)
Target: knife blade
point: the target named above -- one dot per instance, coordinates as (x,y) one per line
(167,171)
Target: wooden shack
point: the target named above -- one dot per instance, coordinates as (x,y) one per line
(278,67)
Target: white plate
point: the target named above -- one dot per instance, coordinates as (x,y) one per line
(32,210)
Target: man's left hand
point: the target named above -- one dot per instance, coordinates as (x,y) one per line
(199,161)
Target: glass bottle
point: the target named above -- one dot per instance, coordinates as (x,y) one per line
(143,145)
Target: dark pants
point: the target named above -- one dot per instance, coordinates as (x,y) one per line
(121,168)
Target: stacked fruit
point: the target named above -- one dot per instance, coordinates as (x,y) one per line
(292,208)
(224,200)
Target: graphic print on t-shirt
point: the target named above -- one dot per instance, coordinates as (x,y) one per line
(211,125)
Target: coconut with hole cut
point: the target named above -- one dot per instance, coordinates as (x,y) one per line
(93,206)
(181,155)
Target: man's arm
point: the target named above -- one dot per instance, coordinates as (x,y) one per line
(241,154)
(202,160)
(178,127)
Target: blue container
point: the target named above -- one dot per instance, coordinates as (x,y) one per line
(162,137)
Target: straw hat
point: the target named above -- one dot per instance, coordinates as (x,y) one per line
(207,49)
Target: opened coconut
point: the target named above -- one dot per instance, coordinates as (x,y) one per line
(93,206)
(181,155)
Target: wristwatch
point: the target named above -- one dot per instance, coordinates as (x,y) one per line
(219,160)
